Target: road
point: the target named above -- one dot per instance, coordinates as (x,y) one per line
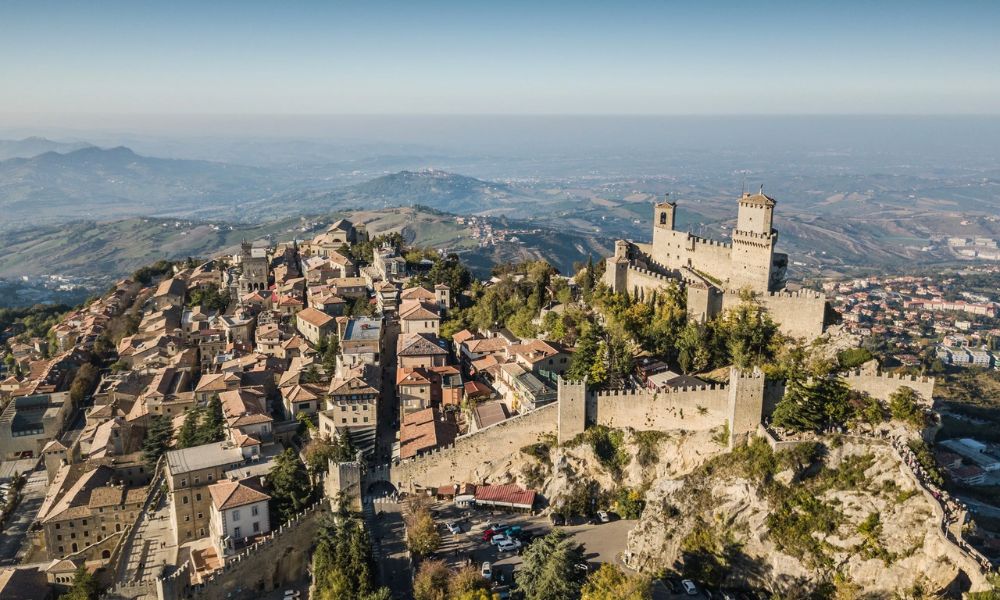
(602,543)
(12,540)
(389,545)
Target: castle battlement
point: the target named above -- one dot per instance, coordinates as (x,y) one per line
(806,294)
(858,373)
(709,242)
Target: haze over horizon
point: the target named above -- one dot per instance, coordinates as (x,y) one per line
(118,63)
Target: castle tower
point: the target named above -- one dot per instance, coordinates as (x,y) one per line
(753,244)
(663,214)
(572,408)
(746,402)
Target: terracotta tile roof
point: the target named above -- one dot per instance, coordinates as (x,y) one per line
(423,430)
(412,377)
(463,336)
(505,495)
(419,344)
(314,317)
(233,494)
(418,293)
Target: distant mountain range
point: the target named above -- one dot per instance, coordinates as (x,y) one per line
(33,146)
(435,189)
(115,248)
(92,182)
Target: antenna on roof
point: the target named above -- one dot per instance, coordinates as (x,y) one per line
(743,186)
(762,189)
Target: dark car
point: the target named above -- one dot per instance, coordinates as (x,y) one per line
(557,519)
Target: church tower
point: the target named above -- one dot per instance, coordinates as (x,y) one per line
(754,240)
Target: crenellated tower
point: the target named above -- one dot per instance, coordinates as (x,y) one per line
(754,239)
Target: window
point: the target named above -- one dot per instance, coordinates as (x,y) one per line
(236,515)
(187,518)
(58,538)
(354,420)
(366,419)
(184,499)
(86,534)
(72,536)
(236,532)
(210,477)
(197,480)
(254,510)
(201,515)
(61,550)
(118,526)
(197,497)
(73,547)
(85,522)
(57,525)
(184,482)
(256,527)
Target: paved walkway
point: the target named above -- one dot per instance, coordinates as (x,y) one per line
(151,545)
(389,545)
(13,546)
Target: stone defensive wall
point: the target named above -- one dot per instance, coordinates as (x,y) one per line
(883,385)
(280,558)
(798,314)
(487,447)
(694,408)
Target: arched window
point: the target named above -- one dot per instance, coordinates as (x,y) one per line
(663,218)
(105,553)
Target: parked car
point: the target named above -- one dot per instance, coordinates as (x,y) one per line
(493,526)
(454,528)
(498,539)
(557,519)
(603,516)
(689,587)
(290,594)
(581,566)
(489,533)
(512,531)
(486,571)
(508,545)
(673,584)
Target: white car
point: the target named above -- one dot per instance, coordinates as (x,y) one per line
(454,528)
(689,587)
(290,594)
(486,571)
(499,539)
(508,545)
(603,516)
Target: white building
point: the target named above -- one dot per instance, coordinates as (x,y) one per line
(239,512)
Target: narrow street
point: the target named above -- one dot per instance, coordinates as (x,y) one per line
(15,534)
(388,410)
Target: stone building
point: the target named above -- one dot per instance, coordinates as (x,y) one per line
(716,274)
(83,521)
(238,514)
(189,473)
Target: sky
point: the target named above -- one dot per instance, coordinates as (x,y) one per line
(61,61)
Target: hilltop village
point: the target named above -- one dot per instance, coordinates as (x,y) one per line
(345,417)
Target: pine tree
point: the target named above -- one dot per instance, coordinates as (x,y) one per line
(290,485)
(549,571)
(188,434)
(157,440)
(213,424)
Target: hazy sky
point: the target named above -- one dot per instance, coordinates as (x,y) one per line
(59,59)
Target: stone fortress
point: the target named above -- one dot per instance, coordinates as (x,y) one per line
(714,274)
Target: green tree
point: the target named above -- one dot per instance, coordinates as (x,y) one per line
(587,352)
(609,582)
(213,425)
(422,537)
(549,571)
(157,440)
(290,486)
(329,355)
(187,436)
(84,586)
(904,406)
(83,383)
(431,581)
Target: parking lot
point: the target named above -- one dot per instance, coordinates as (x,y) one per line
(604,542)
